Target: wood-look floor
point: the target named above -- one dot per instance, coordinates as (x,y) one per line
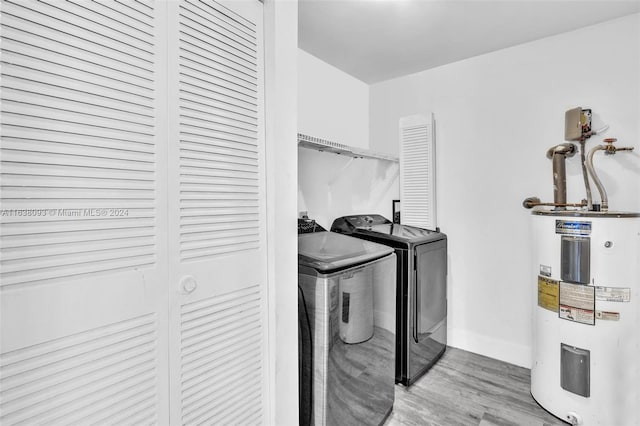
(469,389)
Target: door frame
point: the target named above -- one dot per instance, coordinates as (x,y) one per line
(281,126)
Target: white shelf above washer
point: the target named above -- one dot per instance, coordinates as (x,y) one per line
(324,145)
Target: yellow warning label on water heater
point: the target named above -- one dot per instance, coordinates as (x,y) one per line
(548,293)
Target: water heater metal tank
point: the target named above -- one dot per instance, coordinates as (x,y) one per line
(586,318)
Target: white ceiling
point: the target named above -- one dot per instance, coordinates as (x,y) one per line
(375,40)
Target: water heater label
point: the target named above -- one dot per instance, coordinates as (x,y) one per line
(570,227)
(577,303)
(613,294)
(548,293)
(545,270)
(583,316)
(608,316)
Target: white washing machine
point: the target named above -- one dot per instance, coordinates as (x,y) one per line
(586,320)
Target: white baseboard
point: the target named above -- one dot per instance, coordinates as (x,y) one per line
(488,346)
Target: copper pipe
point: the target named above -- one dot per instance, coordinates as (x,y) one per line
(531,202)
(558,155)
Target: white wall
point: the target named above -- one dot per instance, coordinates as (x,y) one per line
(331,185)
(496,115)
(281,35)
(331,104)
(335,106)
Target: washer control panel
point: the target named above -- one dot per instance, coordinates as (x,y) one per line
(367,220)
(348,224)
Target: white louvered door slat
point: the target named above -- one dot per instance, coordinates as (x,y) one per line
(217,207)
(83,256)
(417,171)
(132,157)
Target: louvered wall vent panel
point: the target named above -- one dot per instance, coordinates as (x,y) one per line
(219,153)
(104,375)
(222,353)
(78,154)
(417,172)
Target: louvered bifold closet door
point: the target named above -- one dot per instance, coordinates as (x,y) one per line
(217,208)
(418,171)
(83,235)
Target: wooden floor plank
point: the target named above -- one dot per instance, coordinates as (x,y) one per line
(469,389)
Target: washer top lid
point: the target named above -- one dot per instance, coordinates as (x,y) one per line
(330,251)
(403,233)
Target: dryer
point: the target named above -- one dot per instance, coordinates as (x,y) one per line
(346,351)
(421,289)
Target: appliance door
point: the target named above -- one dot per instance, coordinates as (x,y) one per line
(427,307)
(360,373)
(402,313)
(305,361)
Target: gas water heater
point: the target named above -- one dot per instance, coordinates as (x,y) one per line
(586,319)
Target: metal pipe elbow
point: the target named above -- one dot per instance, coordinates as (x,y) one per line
(567,149)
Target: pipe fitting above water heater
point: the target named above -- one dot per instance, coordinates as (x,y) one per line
(577,128)
(609,149)
(558,155)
